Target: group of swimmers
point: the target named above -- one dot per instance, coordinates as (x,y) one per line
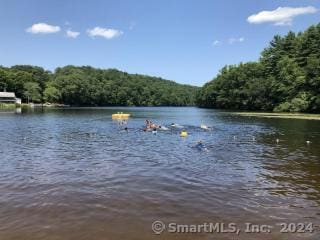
(153,127)
(150,126)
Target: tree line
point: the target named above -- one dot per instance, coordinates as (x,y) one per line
(88,86)
(286,78)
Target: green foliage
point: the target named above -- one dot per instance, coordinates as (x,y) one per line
(286,78)
(87,86)
(90,86)
(14,79)
(297,104)
(51,94)
(237,87)
(32,91)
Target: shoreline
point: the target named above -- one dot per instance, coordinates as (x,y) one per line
(303,116)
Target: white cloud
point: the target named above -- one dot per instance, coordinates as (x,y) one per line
(43,28)
(234,40)
(216,42)
(107,33)
(280,16)
(72,34)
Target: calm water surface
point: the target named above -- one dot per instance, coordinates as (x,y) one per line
(74,174)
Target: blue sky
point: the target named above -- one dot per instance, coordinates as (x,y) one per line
(187,41)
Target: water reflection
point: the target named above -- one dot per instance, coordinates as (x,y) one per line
(10,110)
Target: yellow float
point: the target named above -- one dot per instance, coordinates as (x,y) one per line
(120,115)
(183,133)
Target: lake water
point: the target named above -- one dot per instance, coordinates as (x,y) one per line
(75,174)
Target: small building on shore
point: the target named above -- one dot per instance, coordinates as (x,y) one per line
(9,97)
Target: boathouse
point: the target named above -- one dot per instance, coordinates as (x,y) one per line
(9,97)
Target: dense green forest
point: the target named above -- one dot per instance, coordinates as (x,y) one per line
(87,86)
(286,78)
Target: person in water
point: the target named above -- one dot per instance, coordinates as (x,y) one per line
(151,125)
(148,125)
(154,131)
(199,144)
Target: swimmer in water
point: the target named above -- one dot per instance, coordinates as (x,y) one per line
(154,131)
(199,143)
(200,146)
(205,127)
(175,125)
(151,125)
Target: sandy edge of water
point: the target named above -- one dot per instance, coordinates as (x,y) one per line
(279,115)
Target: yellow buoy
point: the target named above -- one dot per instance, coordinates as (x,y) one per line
(183,133)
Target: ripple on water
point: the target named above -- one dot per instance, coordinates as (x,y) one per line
(75,175)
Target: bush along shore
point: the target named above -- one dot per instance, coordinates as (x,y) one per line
(9,105)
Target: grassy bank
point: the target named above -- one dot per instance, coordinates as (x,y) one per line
(279,115)
(8,105)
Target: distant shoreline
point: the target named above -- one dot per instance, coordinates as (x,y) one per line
(110,106)
(280,115)
(303,116)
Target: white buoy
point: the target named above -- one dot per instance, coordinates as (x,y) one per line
(253,139)
(234,137)
(277,140)
(308,142)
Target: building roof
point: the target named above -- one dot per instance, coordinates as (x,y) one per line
(7,95)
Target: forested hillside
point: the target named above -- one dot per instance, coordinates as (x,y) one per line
(87,86)
(286,78)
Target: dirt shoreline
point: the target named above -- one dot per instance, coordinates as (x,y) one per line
(279,115)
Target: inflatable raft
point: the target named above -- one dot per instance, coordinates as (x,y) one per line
(120,115)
